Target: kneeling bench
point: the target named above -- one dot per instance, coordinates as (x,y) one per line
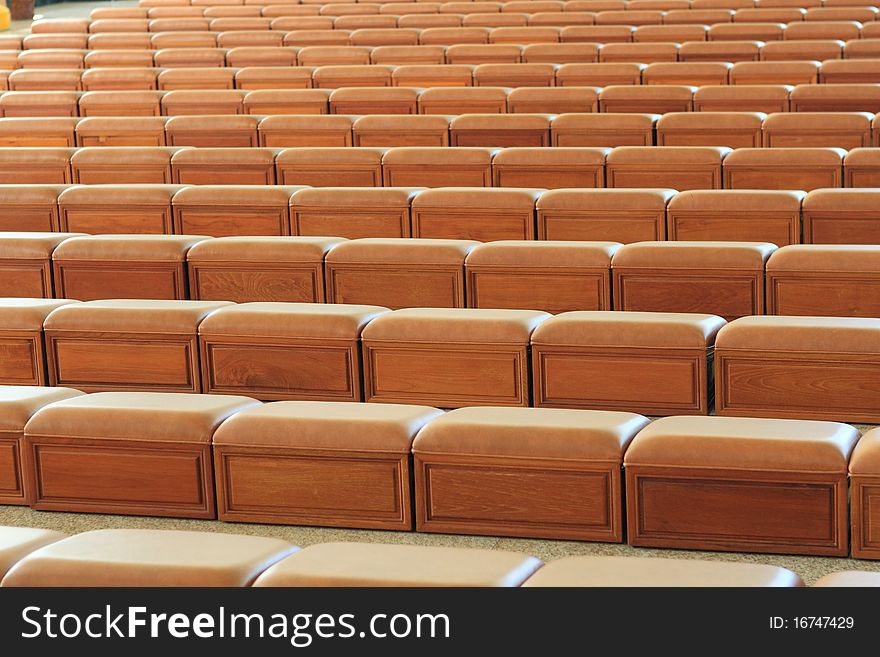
(449,357)
(740,484)
(535,472)
(820,368)
(149,557)
(864,477)
(371,564)
(330,464)
(129,453)
(649,571)
(22,354)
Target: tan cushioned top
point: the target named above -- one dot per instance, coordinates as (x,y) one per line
(482,198)
(149,557)
(21,126)
(16,194)
(445,325)
(818,121)
(584,94)
(523,253)
(501,121)
(604,121)
(370,564)
(150,416)
(832,200)
(355,196)
(849,578)
(813,91)
(232,156)
(826,258)
(646,92)
(863,156)
(235,195)
(38,246)
(402,122)
(547,433)
(331,155)
(158,248)
(448,94)
(715,121)
(589,328)
(96,98)
(19,314)
(127,195)
(269,250)
(19,403)
(694,255)
(668,155)
(866,456)
(787,157)
(120,156)
(426,156)
(402,250)
(327,425)
(291,320)
(16,542)
(103,125)
(557,156)
(373,93)
(212,123)
(740,443)
(591,200)
(49,156)
(823,334)
(744,91)
(649,571)
(736,201)
(133,316)
(306,123)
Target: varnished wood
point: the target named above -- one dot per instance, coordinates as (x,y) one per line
(233,220)
(123,477)
(824,294)
(816,386)
(350,222)
(12,485)
(727,293)
(88,281)
(22,358)
(414,175)
(95,174)
(272,368)
(214,138)
(611,226)
(549,177)
(841,226)
(35,174)
(30,218)
(227,174)
(473,224)
(328,488)
(865,516)
(649,381)
(334,175)
(296,137)
(551,289)
(745,511)
(241,282)
(26,278)
(116,219)
(409,138)
(401,286)
(448,376)
(861,177)
(680,177)
(604,138)
(500,138)
(779,228)
(526,497)
(780,178)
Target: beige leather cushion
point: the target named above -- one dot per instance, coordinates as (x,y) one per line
(17,542)
(591,328)
(468,198)
(148,416)
(370,564)
(558,156)
(291,320)
(223,156)
(447,325)
(736,201)
(401,122)
(522,253)
(118,195)
(694,255)
(827,258)
(832,200)
(242,122)
(850,578)
(331,156)
(744,444)
(439,155)
(28,314)
(587,200)
(866,456)
(36,246)
(36,194)
(327,425)
(548,433)
(714,121)
(19,403)
(229,196)
(501,121)
(149,557)
(785,157)
(402,251)
(780,333)
(133,316)
(334,197)
(576,122)
(269,250)
(122,156)
(644,571)
(115,248)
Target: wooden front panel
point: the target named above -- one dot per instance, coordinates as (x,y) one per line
(610,226)
(841,228)
(99,175)
(446,377)
(865,517)
(823,294)
(270,369)
(306,107)
(230,221)
(461,107)
(104,361)
(26,278)
(11,483)
(748,105)
(126,139)
(365,108)
(549,177)
(644,106)
(39,141)
(729,138)
(29,218)
(350,223)
(822,386)
(606,138)
(518,497)
(481,225)
(841,139)
(131,478)
(297,138)
(121,220)
(777,512)
(779,178)
(330,175)
(396,287)
(242,282)
(330,489)
(652,382)
(228,175)
(861,177)
(198,138)
(43,174)
(729,295)
(777,228)
(397,175)
(549,289)
(88,281)
(499,138)
(682,179)
(22,359)
(412,138)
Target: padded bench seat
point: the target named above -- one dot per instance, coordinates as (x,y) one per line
(30,208)
(26,263)
(17,542)
(864,477)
